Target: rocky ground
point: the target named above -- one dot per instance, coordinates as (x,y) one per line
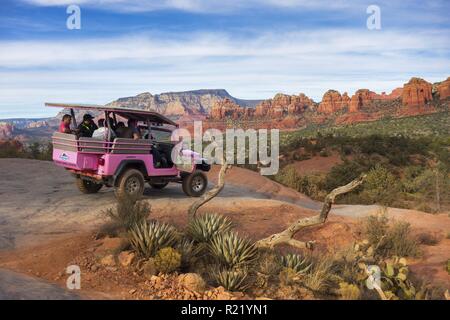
(46,225)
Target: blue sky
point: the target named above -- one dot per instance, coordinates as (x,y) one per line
(254,49)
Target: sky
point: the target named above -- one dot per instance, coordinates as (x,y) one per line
(253,49)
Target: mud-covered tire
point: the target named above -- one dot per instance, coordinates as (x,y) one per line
(194,185)
(159,186)
(131,184)
(87,186)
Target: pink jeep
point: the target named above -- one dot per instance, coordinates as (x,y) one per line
(126,164)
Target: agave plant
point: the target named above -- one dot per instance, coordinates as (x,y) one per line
(232,251)
(188,251)
(296,262)
(147,238)
(204,227)
(231,279)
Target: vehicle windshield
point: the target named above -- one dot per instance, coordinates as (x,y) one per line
(161,135)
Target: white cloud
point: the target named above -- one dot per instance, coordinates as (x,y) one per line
(101,70)
(210,6)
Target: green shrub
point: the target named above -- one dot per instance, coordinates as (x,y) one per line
(232,251)
(128,213)
(427,239)
(147,238)
(167,260)
(395,240)
(319,276)
(349,291)
(380,186)
(204,227)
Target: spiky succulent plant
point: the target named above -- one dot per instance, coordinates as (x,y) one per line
(204,227)
(296,262)
(147,238)
(231,251)
(188,251)
(231,279)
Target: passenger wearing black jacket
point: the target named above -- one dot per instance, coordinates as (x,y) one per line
(87,127)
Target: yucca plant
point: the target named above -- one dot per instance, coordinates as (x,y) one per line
(232,251)
(204,227)
(147,238)
(296,262)
(188,251)
(231,279)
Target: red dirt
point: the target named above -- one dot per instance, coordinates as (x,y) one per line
(317,164)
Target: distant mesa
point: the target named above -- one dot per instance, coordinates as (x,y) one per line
(218,109)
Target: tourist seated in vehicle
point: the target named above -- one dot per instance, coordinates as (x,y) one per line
(102,132)
(64,126)
(130,132)
(87,127)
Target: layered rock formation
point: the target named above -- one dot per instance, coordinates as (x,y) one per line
(443,89)
(227,108)
(283,105)
(417,92)
(333,101)
(361,98)
(178,104)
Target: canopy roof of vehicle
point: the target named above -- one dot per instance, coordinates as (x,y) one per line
(139,115)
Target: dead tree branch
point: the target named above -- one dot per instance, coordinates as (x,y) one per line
(211,193)
(287,236)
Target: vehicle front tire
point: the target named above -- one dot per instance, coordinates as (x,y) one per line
(194,185)
(161,185)
(131,184)
(87,186)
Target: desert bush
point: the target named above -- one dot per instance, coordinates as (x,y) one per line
(288,276)
(167,260)
(319,277)
(147,238)
(395,240)
(231,251)
(380,186)
(269,263)
(204,227)
(12,149)
(376,227)
(349,291)
(399,241)
(128,213)
(235,279)
(427,239)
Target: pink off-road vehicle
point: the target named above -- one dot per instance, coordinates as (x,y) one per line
(127,164)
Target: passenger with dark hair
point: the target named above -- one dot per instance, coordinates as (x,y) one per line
(64,126)
(87,127)
(130,132)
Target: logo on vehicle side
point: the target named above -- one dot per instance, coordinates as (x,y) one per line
(64,157)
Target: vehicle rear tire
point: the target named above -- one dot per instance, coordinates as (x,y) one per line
(87,186)
(161,185)
(194,185)
(131,184)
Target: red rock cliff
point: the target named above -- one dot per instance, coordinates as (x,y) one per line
(417,92)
